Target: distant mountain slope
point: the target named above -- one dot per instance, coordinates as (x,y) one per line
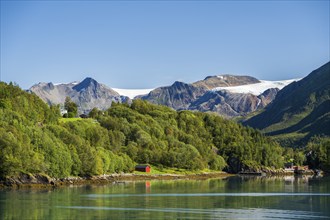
(301,109)
(86,94)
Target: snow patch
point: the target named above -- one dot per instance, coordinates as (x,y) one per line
(257,88)
(131,93)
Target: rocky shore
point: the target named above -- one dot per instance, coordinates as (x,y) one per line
(266,171)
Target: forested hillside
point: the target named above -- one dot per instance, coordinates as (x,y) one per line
(34,140)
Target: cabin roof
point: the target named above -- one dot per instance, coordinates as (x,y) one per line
(142,166)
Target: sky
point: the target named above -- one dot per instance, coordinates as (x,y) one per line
(147,44)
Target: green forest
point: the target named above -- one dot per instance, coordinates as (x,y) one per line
(34,138)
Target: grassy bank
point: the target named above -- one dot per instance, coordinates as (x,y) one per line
(177,171)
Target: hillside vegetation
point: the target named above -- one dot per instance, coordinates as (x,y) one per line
(34,140)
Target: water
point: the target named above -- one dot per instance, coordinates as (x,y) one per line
(229,198)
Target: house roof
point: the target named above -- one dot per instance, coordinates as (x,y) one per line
(142,166)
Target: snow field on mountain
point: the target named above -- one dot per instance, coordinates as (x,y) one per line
(257,88)
(131,93)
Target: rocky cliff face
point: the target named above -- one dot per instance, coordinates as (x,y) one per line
(178,96)
(232,104)
(86,94)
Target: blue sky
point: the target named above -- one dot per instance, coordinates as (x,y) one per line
(146,44)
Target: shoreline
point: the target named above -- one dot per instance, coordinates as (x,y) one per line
(44,181)
(40,181)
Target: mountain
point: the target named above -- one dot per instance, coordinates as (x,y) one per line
(299,111)
(227,95)
(177,96)
(86,94)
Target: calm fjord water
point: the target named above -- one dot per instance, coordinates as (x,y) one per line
(229,198)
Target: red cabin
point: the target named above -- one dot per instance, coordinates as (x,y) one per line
(143,168)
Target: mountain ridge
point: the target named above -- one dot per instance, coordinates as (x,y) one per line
(226,80)
(179,96)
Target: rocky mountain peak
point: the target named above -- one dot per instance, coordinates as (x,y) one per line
(179,85)
(86,83)
(87,94)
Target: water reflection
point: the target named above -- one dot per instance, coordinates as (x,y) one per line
(203,194)
(252,213)
(229,198)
